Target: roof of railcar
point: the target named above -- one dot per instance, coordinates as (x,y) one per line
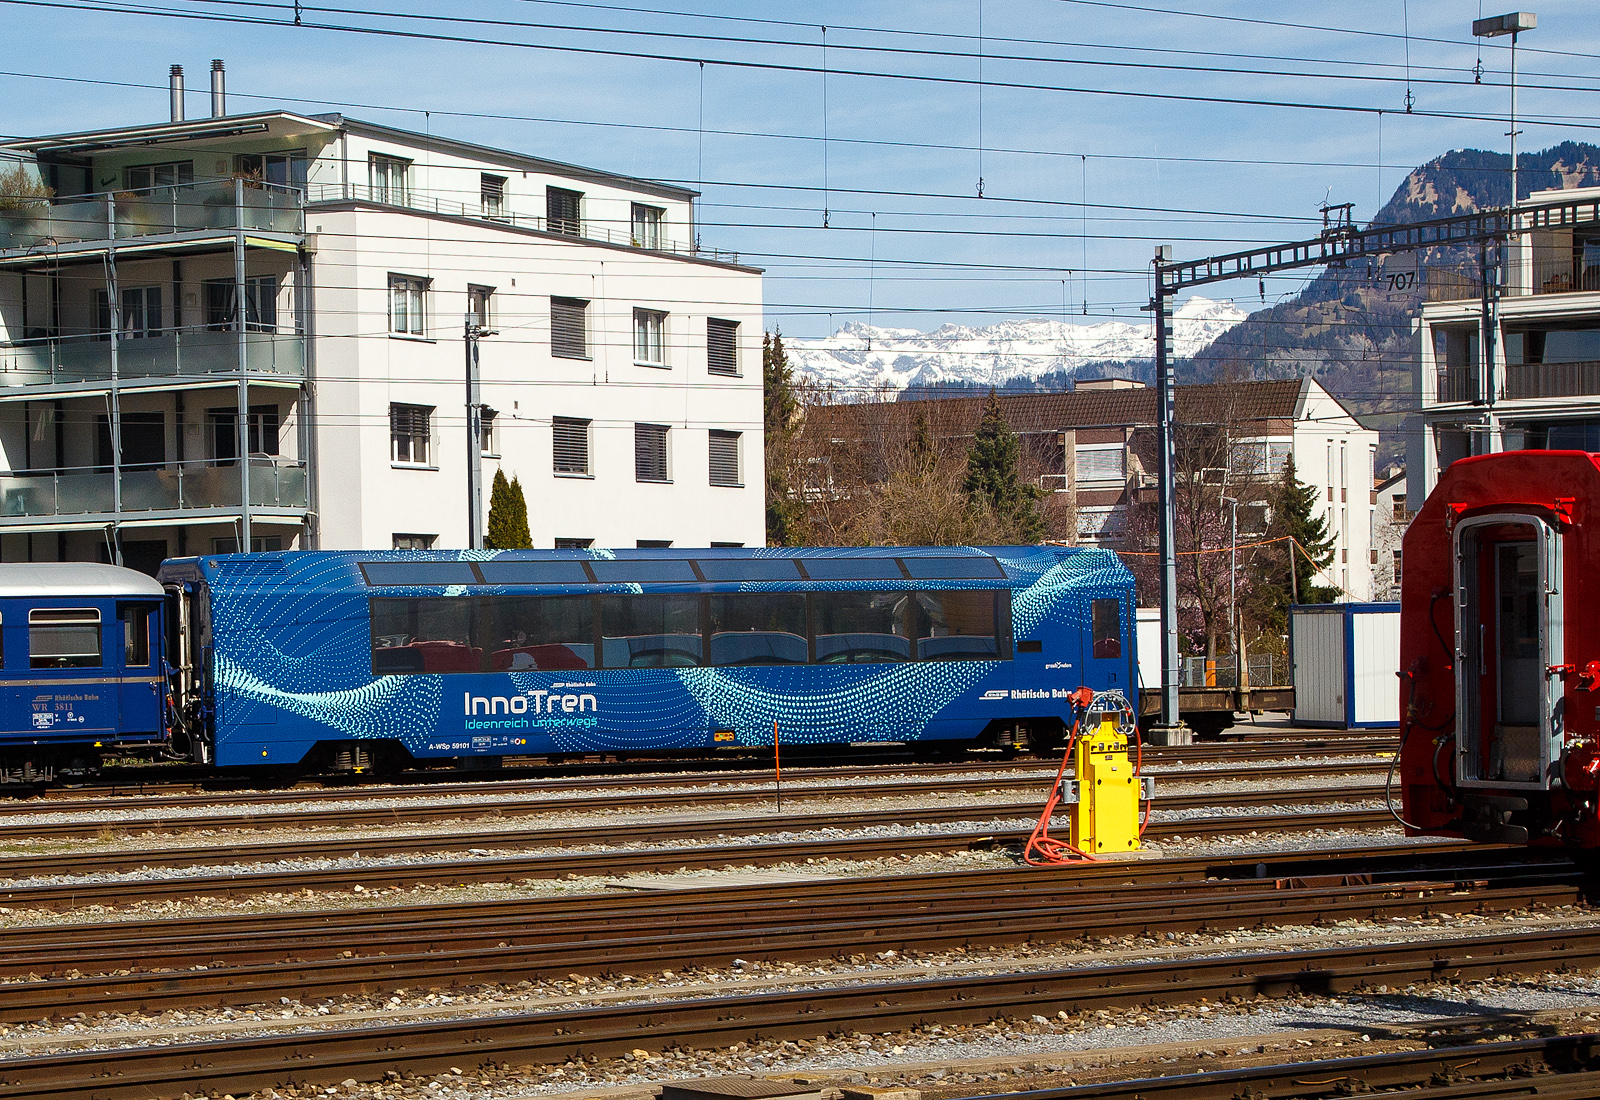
(73,578)
(891,566)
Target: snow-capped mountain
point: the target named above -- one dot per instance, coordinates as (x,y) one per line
(864,357)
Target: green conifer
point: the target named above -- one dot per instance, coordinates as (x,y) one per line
(508,515)
(993,478)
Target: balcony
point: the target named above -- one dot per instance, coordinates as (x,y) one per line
(153,211)
(1566,274)
(584,228)
(1535,380)
(176,487)
(184,353)
(1457,384)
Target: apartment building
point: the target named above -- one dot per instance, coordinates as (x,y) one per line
(1543,386)
(1093,451)
(1391,515)
(250,330)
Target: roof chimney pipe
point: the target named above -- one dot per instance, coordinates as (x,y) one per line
(175,85)
(219,89)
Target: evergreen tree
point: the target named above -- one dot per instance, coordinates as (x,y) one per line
(920,449)
(508,515)
(785,513)
(993,481)
(1293,515)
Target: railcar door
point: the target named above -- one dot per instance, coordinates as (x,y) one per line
(1107,654)
(140,701)
(1509,634)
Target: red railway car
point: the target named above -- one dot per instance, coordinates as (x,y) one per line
(1500,652)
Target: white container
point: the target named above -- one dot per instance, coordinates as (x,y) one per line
(1147,641)
(1345,657)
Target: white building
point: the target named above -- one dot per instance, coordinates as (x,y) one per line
(621,386)
(1543,390)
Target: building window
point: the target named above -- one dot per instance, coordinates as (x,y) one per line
(178,173)
(722,346)
(261,432)
(408,305)
(141,312)
(259,544)
(573,544)
(649,328)
(492,189)
(144,441)
(1400,512)
(414,542)
(561,211)
(1374,555)
(1397,567)
(391,179)
(285,169)
(725,459)
(569,328)
(571,445)
(647,225)
(480,305)
(1099,462)
(409,433)
(654,544)
(650,452)
(260,304)
(486,444)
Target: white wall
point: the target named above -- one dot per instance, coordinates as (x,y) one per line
(1333,453)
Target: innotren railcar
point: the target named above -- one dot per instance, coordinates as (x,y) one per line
(351,660)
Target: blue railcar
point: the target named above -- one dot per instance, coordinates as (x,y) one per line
(351,659)
(81,667)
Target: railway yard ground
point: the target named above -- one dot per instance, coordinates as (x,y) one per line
(878,937)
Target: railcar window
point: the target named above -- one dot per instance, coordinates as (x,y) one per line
(540,633)
(64,638)
(749,569)
(419,572)
(758,628)
(853,569)
(971,568)
(644,571)
(136,637)
(957,626)
(1105,617)
(862,627)
(424,635)
(565,571)
(650,631)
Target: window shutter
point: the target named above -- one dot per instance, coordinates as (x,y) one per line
(410,420)
(571,449)
(1100,464)
(561,211)
(725,458)
(650,452)
(722,346)
(569,336)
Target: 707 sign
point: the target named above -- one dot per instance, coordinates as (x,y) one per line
(1393,273)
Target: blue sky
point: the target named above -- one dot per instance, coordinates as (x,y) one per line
(908,241)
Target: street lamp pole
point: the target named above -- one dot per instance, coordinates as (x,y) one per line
(474,329)
(1513,23)
(1233,584)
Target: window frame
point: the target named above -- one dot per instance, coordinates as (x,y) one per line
(425,436)
(561,222)
(426,541)
(492,196)
(481,304)
(713,437)
(662,432)
(649,336)
(389,179)
(570,425)
(567,309)
(410,292)
(714,351)
(646,223)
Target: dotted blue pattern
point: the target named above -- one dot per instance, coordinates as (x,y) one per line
(292,666)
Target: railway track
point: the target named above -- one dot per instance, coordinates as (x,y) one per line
(365,1054)
(732,794)
(305,958)
(504,869)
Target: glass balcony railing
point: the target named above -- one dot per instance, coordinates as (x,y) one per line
(156,210)
(176,354)
(174,487)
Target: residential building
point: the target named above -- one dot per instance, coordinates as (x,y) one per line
(1093,450)
(253,326)
(1391,514)
(1543,388)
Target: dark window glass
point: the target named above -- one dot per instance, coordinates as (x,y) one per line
(758,628)
(64,639)
(973,568)
(853,569)
(861,627)
(419,572)
(1106,622)
(533,572)
(957,626)
(749,569)
(424,635)
(540,633)
(136,637)
(645,571)
(650,631)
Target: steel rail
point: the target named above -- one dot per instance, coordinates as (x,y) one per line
(507,868)
(966,779)
(385,959)
(349,817)
(323,1056)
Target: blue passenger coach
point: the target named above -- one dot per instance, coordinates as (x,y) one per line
(352,659)
(80,667)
